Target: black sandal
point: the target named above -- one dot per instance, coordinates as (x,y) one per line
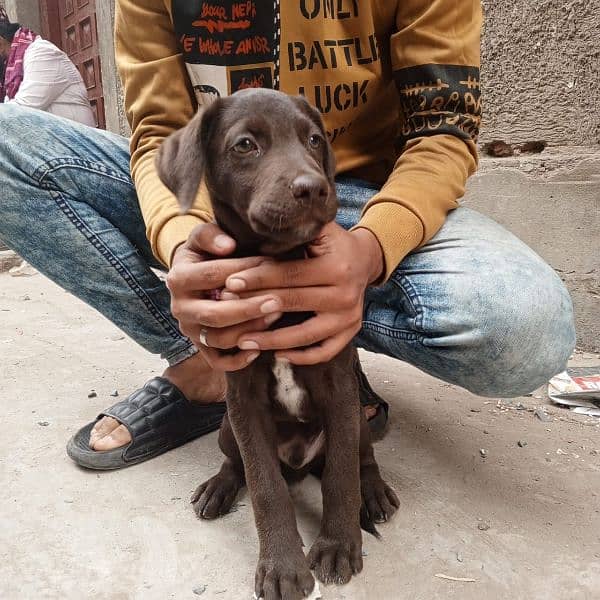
(158,418)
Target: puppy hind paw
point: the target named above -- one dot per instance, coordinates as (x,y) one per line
(379,501)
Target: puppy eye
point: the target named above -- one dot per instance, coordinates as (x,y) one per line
(245,146)
(315,141)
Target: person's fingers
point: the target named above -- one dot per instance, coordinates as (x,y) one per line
(210,238)
(188,277)
(212,313)
(313,299)
(326,241)
(227,337)
(310,332)
(228,362)
(288,274)
(324,352)
(231,296)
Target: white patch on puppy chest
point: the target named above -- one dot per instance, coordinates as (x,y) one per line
(287,392)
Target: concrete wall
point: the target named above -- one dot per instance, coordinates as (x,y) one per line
(541,68)
(26,12)
(113,95)
(541,71)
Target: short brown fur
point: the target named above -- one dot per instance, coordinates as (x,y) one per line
(272,203)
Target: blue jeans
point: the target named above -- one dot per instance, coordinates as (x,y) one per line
(474,307)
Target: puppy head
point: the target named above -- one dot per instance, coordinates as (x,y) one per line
(267,165)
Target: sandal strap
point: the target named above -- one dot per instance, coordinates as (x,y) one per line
(159,415)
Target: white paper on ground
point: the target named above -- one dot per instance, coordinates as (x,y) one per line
(577,388)
(590,412)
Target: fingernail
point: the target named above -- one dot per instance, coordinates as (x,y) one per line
(248,345)
(223,242)
(269,306)
(269,320)
(252,356)
(236,285)
(229,296)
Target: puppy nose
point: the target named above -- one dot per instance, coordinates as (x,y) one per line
(310,187)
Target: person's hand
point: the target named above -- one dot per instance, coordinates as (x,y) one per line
(192,281)
(331,284)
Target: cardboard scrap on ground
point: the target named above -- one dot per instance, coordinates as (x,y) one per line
(577,389)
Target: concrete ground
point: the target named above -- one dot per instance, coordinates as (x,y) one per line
(66,533)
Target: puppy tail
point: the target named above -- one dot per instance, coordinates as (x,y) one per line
(367,524)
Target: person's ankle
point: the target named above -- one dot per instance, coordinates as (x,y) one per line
(197,381)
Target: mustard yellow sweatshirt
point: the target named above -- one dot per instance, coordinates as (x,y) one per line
(397,83)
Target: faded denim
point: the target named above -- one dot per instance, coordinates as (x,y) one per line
(474,307)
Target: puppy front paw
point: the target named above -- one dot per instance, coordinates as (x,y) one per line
(286,577)
(335,559)
(215,497)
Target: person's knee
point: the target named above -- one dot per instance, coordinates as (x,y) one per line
(524,339)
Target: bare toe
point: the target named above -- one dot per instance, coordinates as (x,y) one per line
(113,436)
(103,427)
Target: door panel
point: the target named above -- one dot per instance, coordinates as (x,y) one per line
(71,25)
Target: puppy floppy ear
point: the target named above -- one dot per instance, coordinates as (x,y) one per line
(181,158)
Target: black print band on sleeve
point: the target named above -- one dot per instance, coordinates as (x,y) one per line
(439,99)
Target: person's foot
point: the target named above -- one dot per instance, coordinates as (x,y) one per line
(197,382)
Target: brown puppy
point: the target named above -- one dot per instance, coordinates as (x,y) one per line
(270,174)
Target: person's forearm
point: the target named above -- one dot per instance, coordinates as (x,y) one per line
(435,65)
(158,102)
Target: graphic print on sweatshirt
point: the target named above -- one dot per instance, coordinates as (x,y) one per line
(340,55)
(227,46)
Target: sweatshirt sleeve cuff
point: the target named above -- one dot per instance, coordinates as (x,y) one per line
(398,230)
(172,234)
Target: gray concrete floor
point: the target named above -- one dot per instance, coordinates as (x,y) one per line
(66,533)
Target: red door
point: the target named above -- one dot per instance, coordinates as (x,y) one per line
(71,25)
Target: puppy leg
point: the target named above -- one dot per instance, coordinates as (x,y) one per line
(215,497)
(282,572)
(337,552)
(379,502)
